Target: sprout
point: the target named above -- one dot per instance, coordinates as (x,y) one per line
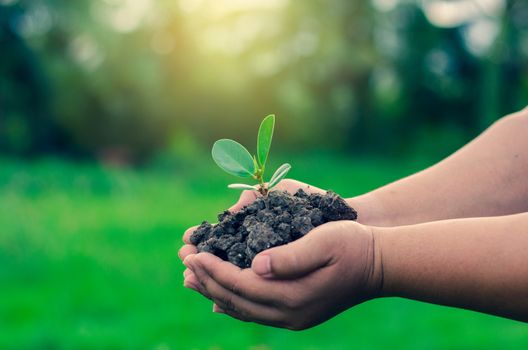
(235,159)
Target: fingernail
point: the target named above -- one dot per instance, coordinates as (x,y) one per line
(217,309)
(190,285)
(262,265)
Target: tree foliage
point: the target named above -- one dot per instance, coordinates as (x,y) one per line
(125,79)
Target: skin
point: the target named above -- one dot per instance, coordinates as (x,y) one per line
(487,177)
(454,234)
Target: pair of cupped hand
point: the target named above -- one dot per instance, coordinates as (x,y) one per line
(294,286)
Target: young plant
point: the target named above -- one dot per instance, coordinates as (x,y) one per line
(235,159)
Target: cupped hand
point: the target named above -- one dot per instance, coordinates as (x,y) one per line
(294,286)
(246,198)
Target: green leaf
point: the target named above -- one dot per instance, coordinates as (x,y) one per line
(255,163)
(279,174)
(234,158)
(265,134)
(243,187)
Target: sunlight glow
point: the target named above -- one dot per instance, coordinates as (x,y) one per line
(215,9)
(232,27)
(126,15)
(162,42)
(85,51)
(480,35)
(454,13)
(385,5)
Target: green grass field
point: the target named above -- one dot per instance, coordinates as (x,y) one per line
(88,259)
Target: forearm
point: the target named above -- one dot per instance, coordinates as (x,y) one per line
(479,264)
(487,177)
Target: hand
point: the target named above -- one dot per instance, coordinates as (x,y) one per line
(246,198)
(298,285)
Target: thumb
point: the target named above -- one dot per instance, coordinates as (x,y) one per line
(295,259)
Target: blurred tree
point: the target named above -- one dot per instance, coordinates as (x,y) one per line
(502,71)
(437,78)
(123,79)
(26,123)
(110,83)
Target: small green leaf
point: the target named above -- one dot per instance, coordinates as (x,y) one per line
(279,174)
(233,158)
(265,135)
(243,187)
(255,163)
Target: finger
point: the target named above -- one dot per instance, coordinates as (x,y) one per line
(236,315)
(244,283)
(186,250)
(279,323)
(238,309)
(247,197)
(295,259)
(188,233)
(192,282)
(187,272)
(233,304)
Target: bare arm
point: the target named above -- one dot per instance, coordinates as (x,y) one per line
(487,177)
(474,263)
(479,264)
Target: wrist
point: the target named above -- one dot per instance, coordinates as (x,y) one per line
(376,279)
(388,241)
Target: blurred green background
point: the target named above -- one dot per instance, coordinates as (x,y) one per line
(108,109)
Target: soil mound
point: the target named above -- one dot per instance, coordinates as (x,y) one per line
(270,221)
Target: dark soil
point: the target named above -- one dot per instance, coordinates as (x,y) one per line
(270,221)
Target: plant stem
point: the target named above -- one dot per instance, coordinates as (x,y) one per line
(262,185)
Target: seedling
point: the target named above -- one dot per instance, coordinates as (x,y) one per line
(240,236)
(235,159)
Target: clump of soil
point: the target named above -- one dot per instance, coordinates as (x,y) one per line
(270,221)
